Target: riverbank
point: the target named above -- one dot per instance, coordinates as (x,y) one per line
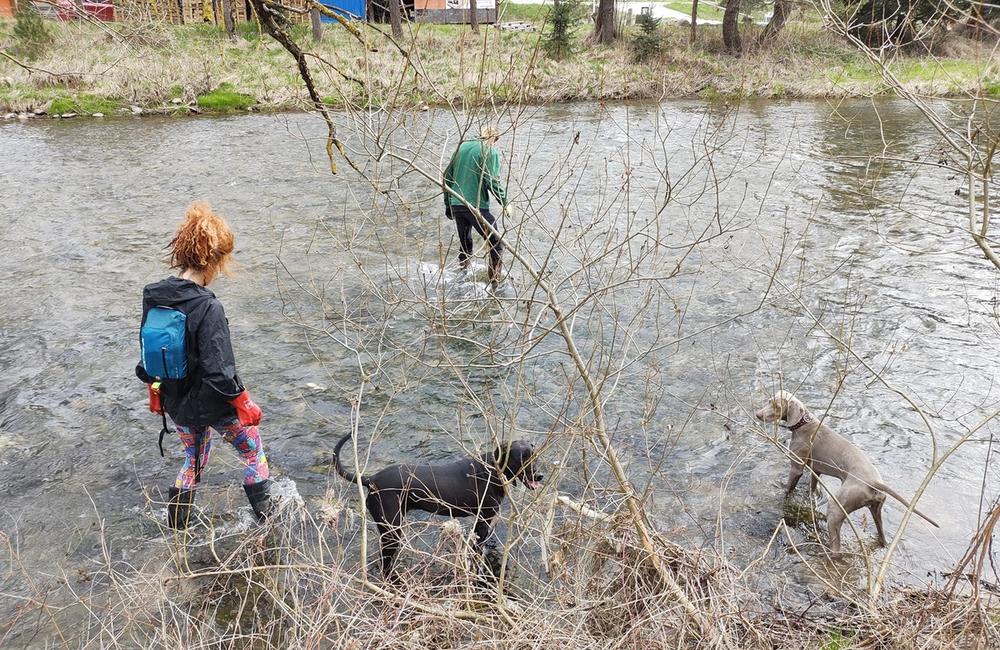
(132,69)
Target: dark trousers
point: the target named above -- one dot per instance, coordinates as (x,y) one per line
(465,221)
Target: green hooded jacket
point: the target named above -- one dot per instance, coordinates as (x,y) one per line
(474,173)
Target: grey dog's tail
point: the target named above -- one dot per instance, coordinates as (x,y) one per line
(895,495)
(348,474)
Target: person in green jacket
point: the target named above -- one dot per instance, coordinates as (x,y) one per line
(473,174)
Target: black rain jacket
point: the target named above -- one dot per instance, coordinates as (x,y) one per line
(202,398)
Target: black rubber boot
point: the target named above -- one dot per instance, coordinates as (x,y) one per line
(179,508)
(259,496)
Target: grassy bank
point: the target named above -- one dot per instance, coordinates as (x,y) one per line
(89,69)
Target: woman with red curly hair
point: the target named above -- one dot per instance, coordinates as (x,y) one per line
(196,384)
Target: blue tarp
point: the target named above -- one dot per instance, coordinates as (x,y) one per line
(348,8)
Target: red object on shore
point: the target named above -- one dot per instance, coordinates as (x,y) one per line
(67,10)
(101,10)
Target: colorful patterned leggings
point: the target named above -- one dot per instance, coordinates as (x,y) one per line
(245,440)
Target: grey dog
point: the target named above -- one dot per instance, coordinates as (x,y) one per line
(825,451)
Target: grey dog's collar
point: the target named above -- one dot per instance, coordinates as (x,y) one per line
(804,420)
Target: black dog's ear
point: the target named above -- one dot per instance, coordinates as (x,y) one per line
(504,460)
(524,453)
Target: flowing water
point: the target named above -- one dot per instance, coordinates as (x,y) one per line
(873,258)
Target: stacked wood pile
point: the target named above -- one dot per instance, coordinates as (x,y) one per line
(193,12)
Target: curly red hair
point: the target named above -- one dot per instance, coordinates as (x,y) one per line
(204,243)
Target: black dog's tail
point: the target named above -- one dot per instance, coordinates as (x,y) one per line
(343,471)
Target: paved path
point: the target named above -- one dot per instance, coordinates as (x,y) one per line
(662,12)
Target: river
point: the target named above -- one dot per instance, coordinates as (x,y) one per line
(871,252)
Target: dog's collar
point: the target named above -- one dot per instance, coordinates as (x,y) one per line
(804,420)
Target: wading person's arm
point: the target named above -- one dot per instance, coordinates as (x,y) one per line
(220,381)
(493,174)
(449,180)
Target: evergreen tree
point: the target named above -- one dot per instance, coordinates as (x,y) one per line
(562,21)
(31,35)
(648,41)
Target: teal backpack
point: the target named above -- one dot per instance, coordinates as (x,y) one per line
(163,343)
(163,346)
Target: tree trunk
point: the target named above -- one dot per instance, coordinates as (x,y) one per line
(731,27)
(316,24)
(227,19)
(782,10)
(474,16)
(395,20)
(604,26)
(694,21)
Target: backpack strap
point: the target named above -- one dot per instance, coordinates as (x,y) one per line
(163,411)
(163,431)
(197,456)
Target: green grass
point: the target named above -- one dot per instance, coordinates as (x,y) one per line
(224,99)
(713,11)
(837,641)
(58,100)
(205,31)
(952,74)
(83,103)
(940,69)
(854,72)
(706,12)
(248,31)
(948,75)
(511,12)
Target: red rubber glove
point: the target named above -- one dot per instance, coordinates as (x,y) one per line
(248,412)
(154,398)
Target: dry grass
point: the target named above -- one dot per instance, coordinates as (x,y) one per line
(166,69)
(297,583)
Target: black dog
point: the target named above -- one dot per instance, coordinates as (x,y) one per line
(471,487)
